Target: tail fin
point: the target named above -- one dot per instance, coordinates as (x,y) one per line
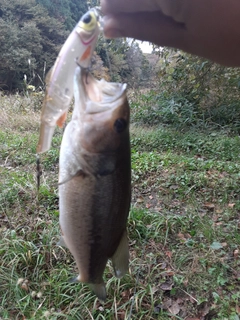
(120,259)
(100,290)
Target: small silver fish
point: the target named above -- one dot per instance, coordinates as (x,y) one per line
(95,180)
(77,49)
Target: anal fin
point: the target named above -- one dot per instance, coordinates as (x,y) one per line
(62,242)
(120,259)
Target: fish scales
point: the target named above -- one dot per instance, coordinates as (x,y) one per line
(95,179)
(99,219)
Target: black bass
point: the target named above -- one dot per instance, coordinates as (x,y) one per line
(77,50)
(95,180)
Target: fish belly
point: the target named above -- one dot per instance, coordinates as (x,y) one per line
(93,215)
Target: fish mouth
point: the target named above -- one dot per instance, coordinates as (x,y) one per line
(100,95)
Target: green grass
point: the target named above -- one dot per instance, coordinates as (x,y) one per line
(184,229)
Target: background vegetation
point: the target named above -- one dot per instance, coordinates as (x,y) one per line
(184,219)
(32,33)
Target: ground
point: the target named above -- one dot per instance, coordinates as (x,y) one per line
(183,227)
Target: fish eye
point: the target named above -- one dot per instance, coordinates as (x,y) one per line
(119,125)
(87,18)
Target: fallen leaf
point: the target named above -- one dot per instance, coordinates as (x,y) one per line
(24,285)
(174,187)
(158,308)
(238,309)
(154,289)
(236,253)
(150,197)
(209,205)
(231,205)
(169,254)
(218,223)
(215,217)
(199,157)
(166,286)
(174,309)
(163,265)
(121,315)
(167,304)
(185,282)
(224,244)
(180,300)
(205,310)
(181,236)
(169,273)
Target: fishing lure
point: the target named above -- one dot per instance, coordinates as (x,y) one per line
(77,50)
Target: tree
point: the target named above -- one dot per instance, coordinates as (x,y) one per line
(29,39)
(124,59)
(67,11)
(193,90)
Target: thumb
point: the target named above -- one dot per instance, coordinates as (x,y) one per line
(150,26)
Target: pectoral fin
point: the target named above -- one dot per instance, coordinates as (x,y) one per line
(77,174)
(120,259)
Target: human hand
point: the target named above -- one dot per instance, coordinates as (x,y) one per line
(208,28)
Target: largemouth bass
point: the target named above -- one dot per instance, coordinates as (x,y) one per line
(95,180)
(77,49)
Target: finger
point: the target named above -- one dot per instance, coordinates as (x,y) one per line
(150,26)
(175,9)
(202,40)
(114,6)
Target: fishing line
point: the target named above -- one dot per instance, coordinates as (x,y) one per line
(106,44)
(109,62)
(38,171)
(87,73)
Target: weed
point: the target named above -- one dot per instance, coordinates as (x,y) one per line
(183,228)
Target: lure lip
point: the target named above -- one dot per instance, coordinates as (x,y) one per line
(45,140)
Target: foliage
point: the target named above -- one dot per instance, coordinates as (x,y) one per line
(124,60)
(33,31)
(191,92)
(30,39)
(67,11)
